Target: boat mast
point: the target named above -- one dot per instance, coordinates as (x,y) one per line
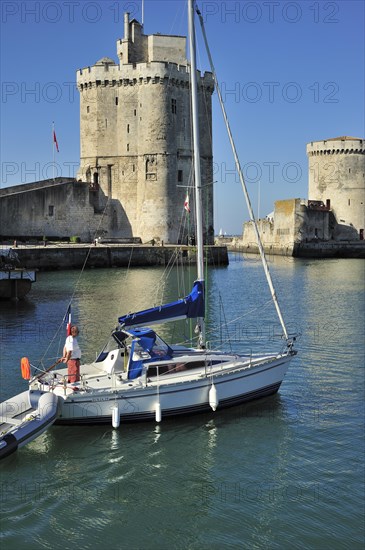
(239,170)
(196,156)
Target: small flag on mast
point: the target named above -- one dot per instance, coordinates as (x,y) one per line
(68,318)
(186,203)
(55,141)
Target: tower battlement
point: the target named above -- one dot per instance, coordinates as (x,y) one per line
(336,146)
(154,72)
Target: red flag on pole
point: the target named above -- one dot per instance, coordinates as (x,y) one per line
(186,203)
(55,141)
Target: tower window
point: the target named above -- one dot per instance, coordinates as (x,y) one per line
(88,109)
(50,210)
(116,100)
(127,128)
(151,168)
(127,146)
(179,176)
(110,180)
(349,202)
(135,112)
(173,106)
(134,167)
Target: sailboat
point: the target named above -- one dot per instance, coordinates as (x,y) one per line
(138,376)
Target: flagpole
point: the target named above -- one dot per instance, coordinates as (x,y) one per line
(53,144)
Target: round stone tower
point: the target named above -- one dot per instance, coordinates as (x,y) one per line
(337,178)
(136,146)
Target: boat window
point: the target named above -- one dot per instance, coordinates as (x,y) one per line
(119,336)
(139,352)
(180,367)
(160,348)
(114,342)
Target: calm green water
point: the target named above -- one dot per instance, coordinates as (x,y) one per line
(280,473)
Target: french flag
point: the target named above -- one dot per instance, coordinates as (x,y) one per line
(68,318)
(186,203)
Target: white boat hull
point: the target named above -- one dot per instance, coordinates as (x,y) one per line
(175,397)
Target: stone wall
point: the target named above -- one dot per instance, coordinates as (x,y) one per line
(60,209)
(53,257)
(296,221)
(278,233)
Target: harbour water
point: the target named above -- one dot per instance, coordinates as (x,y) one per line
(285,472)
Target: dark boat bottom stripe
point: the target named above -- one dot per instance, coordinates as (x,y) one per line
(204,407)
(10,446)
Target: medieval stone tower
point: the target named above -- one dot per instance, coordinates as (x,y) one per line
(136,142)
(337,177)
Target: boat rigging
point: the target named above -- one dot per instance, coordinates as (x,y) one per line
(138,376)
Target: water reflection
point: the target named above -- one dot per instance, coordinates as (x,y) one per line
(246,473)
(158,434)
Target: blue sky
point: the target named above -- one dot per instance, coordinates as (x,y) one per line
(290,73)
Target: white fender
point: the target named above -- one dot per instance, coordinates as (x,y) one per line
(158,412)
(213,397)
(115,417)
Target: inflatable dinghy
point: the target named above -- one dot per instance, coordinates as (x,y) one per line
(25,417)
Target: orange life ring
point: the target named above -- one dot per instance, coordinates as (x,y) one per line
(25,368)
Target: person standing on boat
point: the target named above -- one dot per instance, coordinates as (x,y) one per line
(72,355)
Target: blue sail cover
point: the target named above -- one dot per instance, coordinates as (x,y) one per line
(186,308)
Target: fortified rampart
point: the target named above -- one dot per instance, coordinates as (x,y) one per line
(52,208)
(331,221)
(301,224)
(295,220)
